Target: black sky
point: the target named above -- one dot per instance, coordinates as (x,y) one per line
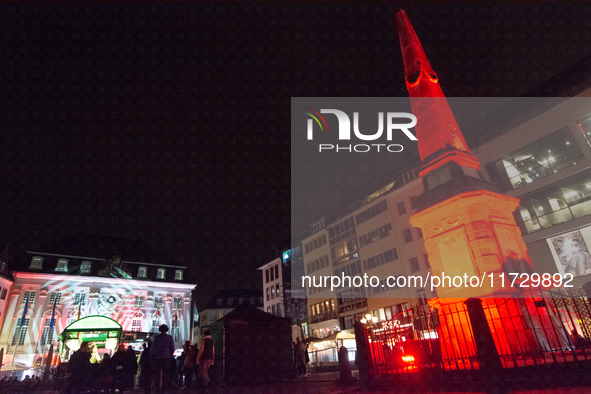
(169,122)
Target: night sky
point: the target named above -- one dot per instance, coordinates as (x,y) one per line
(169,122)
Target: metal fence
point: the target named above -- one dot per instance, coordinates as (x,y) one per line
(538,327)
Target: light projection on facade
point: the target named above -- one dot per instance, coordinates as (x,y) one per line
(136,305)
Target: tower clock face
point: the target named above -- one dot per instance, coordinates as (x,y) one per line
(438,177)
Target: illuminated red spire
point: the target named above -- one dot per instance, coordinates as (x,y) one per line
(439,137)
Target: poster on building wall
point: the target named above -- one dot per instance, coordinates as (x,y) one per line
(571,253)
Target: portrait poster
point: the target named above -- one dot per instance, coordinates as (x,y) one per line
(571,253)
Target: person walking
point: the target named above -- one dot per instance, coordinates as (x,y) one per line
(118,365)
(205,357)
(146,369)
(300,353)
(130,368)
(79,368)
(161,356)
(107,371)
(189,364)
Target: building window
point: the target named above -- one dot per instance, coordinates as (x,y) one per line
(421,296)
(273,309)
(277,290)
(371,212)
(276,271)
(178,275)
(79,299)
(161,273)
(240,300)
(230,301)
(268,309)
(382,258)
(407,235)
(261,300)
(142,272)
(375,235)
(29,295)
(272,292)
(267,275)
(401,208)
(541,158)
(408,176)
(560,202)
(62,265)
(55,298)
(47,335)
(36,263)
(177,302)
(272,274)
(175,333)
(413,202)
(85,267)
(268,293)
(155,325)
(20,333)
(158,302)
(138,302)
(219,301)
(3,294)
(252,300)
(414,265)
(136,324)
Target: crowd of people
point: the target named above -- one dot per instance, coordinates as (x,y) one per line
(157,366)
(13,385)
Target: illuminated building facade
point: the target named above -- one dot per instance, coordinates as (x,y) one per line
(371,237)
(279,297)
(138,296)
(6,283)
(545,162)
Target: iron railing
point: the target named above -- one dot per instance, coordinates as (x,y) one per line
(538,327)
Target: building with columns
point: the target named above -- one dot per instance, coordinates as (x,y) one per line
(138,296)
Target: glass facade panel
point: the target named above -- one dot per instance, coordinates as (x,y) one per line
(546,156)
(558,203)
(585,126)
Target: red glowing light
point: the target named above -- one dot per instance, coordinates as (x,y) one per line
(408,359)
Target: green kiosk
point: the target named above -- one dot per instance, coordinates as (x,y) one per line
(102,331)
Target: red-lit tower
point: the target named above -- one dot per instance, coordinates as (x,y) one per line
(468,227)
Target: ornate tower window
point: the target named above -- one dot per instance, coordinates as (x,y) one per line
(178,275)
(62,265)
(79,299)
(20,333)
(36,263)
(47,335)
(161,274)
(177,302)
(55,298)
(85,267)
(139,302)
(142,272)
(136,322)
(30,295)
(158,302)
